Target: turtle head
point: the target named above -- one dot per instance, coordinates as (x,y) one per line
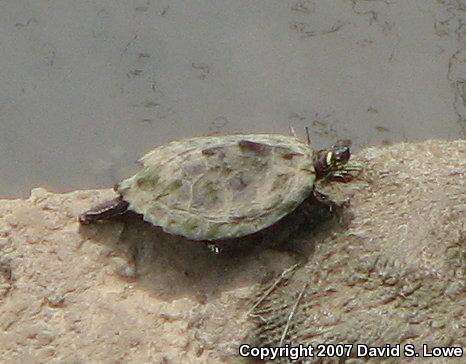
(329,162)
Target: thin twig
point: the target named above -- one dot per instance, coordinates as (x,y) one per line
(290,316)
(274,285)
(292,131)
(308,136)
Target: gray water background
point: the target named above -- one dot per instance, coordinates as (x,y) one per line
(87,87)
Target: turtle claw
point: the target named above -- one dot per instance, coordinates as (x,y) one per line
(213,248)
(354,167)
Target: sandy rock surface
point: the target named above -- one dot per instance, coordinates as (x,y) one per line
(396,274)
(123,291)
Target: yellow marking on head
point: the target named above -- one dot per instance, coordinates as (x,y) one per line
(329,158)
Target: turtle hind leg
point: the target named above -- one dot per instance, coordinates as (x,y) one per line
(104,211)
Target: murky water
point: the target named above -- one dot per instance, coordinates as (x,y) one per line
(87,88)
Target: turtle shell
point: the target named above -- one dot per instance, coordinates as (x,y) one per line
(222,187)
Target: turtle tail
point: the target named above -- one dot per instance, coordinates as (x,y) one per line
(104,211)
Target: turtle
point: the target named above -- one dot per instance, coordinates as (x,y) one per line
(225,187)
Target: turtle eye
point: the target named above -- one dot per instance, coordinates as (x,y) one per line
(341,154)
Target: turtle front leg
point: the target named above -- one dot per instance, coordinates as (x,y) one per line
(334,202)
(104,211)
(349,172)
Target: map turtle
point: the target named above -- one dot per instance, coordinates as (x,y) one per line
(224,187)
